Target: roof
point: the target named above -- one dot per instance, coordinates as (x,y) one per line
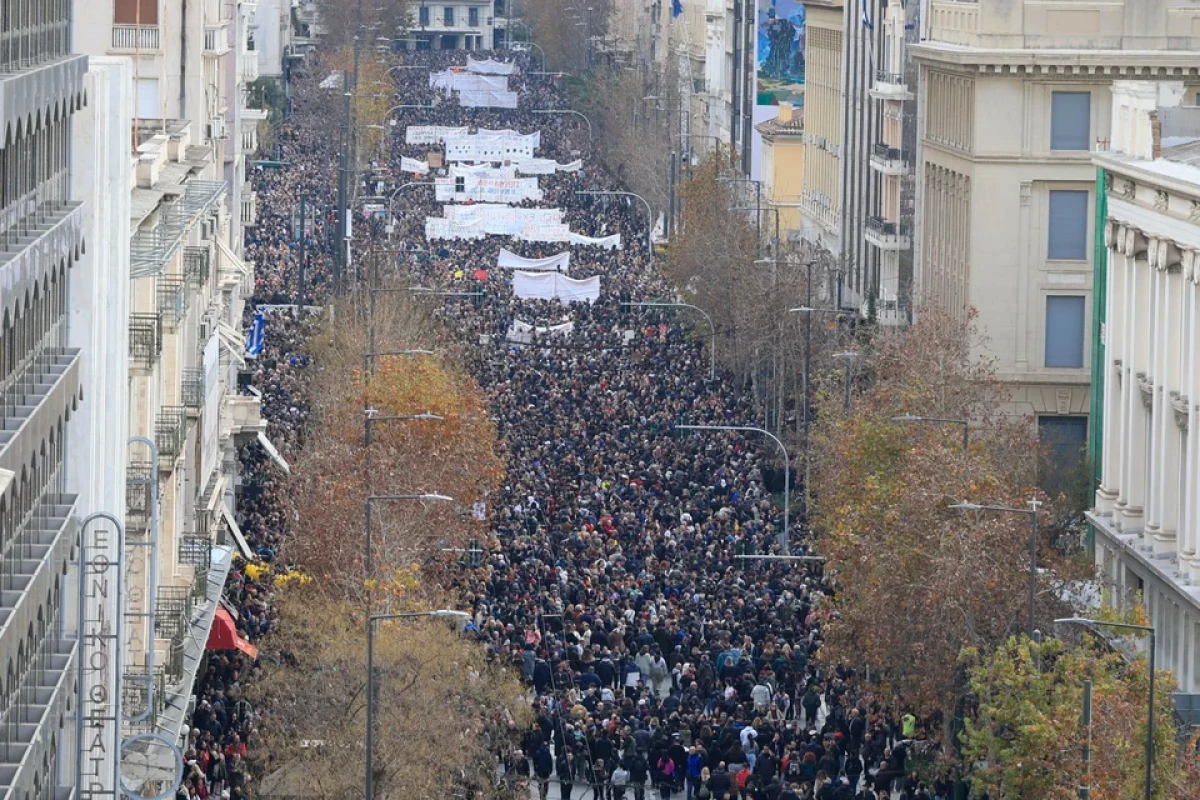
(793,127)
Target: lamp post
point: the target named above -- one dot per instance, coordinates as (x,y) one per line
(712,331)
(371,416)
(570,111)
(1032,511)
(966,443)
(787,469)
(400,188)
(371,620)
(1149,630)
(392,498)
(649,213)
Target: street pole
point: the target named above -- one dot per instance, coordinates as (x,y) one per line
(807,372)
(303,245)
(1032,511)
(369,560)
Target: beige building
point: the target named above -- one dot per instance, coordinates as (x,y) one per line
(1013,96)
(820,193)
(783,164)
(1147,512)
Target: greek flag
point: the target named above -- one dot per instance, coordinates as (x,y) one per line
(258,334)
(866,16)
(676,7)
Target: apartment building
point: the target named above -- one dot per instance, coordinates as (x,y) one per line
(42,85)
(457,25)
(887,230)
(1145,367)
(782,171)
(1012,98)
(821,190)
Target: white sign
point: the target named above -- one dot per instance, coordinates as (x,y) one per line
(510,260)
(546,166)
(486,190)
(524,333)
(607,242)
(490,67)
(492,148)
(553,285)
(431,134)
(413,165)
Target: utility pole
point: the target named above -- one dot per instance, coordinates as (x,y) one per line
(350,87)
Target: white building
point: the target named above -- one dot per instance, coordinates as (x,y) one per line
(452,24)
(1147,368)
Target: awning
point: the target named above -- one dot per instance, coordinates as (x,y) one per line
(236,532)
(224,635)
(234,342)
(273,453)
(234,262)
(218,494)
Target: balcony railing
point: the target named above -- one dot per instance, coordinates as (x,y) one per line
(887,235)
(249,138)
(886,228)
(248,66)
(889,153)
(145,339)
(139,496)
(192,390)
(196,264)
(172,300)
(889,160)
(249,207)
(170,432)
(215,39)
(135,37)
(25,43)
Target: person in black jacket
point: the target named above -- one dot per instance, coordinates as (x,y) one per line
(639,773)
(566,769)
(543,768)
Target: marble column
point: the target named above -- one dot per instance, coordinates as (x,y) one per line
(1132,499)
(1167,379)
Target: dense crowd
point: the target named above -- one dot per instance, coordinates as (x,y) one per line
(658,660)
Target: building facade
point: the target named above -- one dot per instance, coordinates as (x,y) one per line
(42,85)
(1012,99)
(783,164)
(820,194)
(1147,507)
(457,25)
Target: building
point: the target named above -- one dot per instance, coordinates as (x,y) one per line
(821,191)
(887,229)
(42,85)
(783,163)
(1012,98)
(452,25)
(1145,369)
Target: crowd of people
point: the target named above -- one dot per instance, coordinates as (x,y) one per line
(659,660)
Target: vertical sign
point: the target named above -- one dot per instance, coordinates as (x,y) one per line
(100,630)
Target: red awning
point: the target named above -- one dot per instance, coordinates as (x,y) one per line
(224,636)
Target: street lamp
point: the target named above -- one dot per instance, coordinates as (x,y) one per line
(567,111)
(787,469)
(712,331)
(371,620)
(1032,511)
(649,213)
(393,498)
(372,416)
(966,425)
(1149,630)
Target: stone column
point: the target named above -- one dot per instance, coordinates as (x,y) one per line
(1114,335)
(1171,330)
(1131,501)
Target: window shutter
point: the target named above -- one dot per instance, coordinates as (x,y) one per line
(127,12)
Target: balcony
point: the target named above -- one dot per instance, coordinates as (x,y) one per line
(150,250)
(139,497)
(170,434)
(216,40)
(145,339)
(249,206)
(887,235)
(135,38)
(197,263)
(172,300)
(248,66)
(192,389)
(890,86)
(889,160)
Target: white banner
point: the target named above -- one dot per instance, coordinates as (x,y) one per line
(413,165)
(546,232)
(431,134)
(490,67)
(484,219)
(482,171)
(493,98)
(552,285)
(607,242)
(510,260)
(524,333)
(451,81)
(214,388)
(491,148)
(486,190)
(488,133)
(546,166)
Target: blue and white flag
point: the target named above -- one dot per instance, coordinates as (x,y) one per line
(676,7)
(866,16)
(258,335)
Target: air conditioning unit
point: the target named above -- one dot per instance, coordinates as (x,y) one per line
(216,128)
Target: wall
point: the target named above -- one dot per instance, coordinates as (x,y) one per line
(821,199)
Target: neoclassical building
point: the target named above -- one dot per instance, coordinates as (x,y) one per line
(1145,368)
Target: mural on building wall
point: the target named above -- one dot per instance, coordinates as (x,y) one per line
(780,61)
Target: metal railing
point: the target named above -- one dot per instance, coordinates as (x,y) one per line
(172,299)
(197,262)
(145,339)
(884,227)
(136,695)
(887,153)
(215,38)
(170,432)
(894,78)
(135,37)
(139,494)
(23,46)
(192,389)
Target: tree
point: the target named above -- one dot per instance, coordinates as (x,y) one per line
(916,580)
(1025,735)
(444,705)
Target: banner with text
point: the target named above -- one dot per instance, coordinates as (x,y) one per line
(431,134)
(554,285)
(486,190)
(490,67)
(510,260)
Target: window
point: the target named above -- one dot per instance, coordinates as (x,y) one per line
(1068,225)
(423,17)
(147,99)
(135,12)
(1064,331)
(499,6)
(448,16)
(473,17)
(1070,120)
(1063,443)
